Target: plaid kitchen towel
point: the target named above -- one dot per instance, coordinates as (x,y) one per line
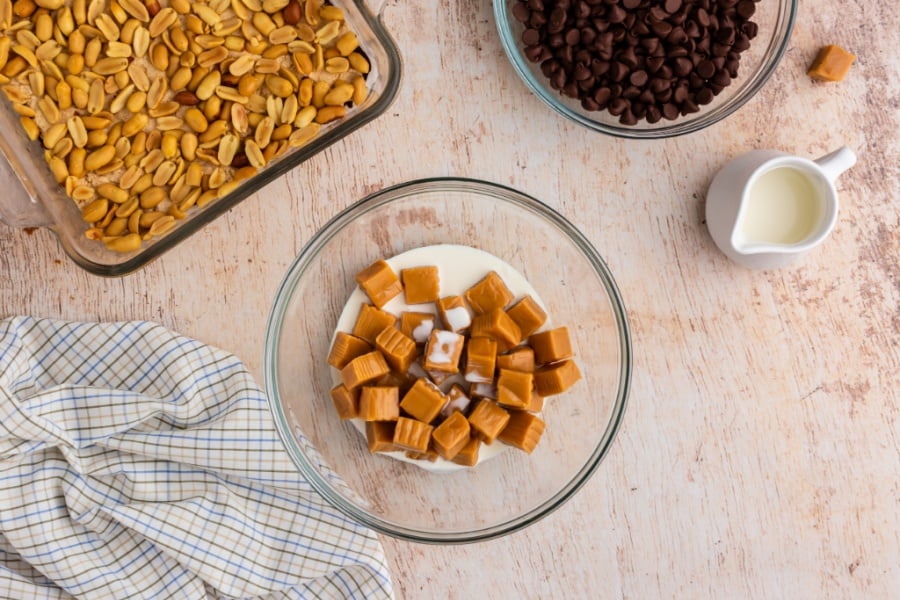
(137,463)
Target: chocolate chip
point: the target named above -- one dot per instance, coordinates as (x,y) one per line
(706,69)
(521,12)
(672,6)
(638,78)
(531,37)
(746,8)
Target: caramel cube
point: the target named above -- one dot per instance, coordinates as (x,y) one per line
(438,377)
(443,351)
(417,325)
(450,436)
(379,403)
(345,348)
(523,431)
(519,359)
(528,315)
(514,388)
(364,369)
(481,356)
(551,346)
(498,326)
(832,63)
(454,314)
(380,435)
(345,401)
(488,419)
(423,400)
(421,284)
(488,294)
(556,378)
(483,390)
(402,381)
(429,455)
(379,282)
(536,404)
(371,321)
(410,434)
(457,401)
(468,456)
(398,349)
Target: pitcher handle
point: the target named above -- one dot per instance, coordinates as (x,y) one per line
(835,163)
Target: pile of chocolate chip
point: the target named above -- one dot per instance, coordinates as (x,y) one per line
(638,59)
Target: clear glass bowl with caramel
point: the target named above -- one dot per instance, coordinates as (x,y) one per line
(511,490)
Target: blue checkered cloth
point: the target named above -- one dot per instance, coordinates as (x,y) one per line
(137,463)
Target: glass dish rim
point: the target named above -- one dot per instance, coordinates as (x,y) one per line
(684,125)
(309,252)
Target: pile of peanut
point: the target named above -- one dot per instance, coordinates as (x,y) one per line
(149,108)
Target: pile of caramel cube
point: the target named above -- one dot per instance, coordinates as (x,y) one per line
(440,384)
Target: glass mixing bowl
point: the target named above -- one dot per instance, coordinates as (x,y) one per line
(507,492)
(775,19)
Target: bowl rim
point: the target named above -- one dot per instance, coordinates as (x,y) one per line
(303,260)
(774,53)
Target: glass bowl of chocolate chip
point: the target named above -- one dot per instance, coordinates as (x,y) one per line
(645,68)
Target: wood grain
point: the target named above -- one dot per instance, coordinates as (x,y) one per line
(759,455)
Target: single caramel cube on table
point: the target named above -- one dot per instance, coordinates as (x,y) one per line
(514,388)
(364,369)
(417,325)
(423,401)
(556,378)
(399,350)
(498,326)
(488,294)
(379,282)
(443,351)
(380,435)
(371,321)
(832,63)
(468,456)
(457,401)
(454,314)
(450,436)
(345,348)
(551,346)
(523,431)
(379,403)
(518,359)
(488,419)
(528,315)
(345,401)
(410,434)
(421,284)
(481,357)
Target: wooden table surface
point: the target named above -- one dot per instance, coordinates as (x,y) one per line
(760,453)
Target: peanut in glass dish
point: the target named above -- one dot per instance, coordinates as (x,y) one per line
(471,504)
(138,121)
(640,69)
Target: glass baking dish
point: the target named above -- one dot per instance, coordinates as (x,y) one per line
(32,198)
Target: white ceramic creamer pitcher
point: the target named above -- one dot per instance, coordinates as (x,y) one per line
(766,207)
